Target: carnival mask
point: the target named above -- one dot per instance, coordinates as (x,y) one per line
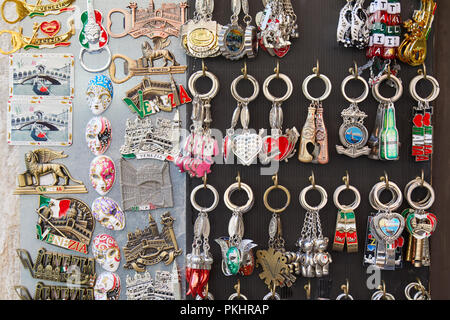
(102,174)
(108,213)
(99,94)
(107,287)
(98,135)
(106,252)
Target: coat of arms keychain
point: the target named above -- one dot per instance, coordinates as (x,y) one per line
(237,254)
(352,133)
(198,263)
(277,146)
(245,145)
(314,131)
(419,222)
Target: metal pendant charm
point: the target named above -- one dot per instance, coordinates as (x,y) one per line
(352,29)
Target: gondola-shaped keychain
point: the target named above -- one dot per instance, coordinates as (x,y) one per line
(39,9)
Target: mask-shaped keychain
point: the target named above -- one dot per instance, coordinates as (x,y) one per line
(108,212)
(314,131)
(198,263)
(352,133)
(98,135)
(99,94)
(106,252)
(353,30)
(107,287)
(237,255)
(102,174)
(422,131)
(420,223)
(235,42)
(245,145)
(277,146)
(315,260)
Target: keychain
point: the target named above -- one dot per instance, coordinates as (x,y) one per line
(345,295)
(422,130)
(198,263)
(315,260)
(346,219)
(236,42)
(199,35)
(237,255)
(314,131)
(352,133)
(421,294)
(277,146)
(384,140)
(277,24)
(245,145)
(353,30)
(381,294)
(200,147)
(420,223)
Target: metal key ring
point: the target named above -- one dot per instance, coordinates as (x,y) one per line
(343,295)
(237,186)
(427,197)
(215,84)
(270,189)
(106,66)
(235,94)
(289,85)
(237,295)
(420,205)
(398,89)
(389,206)
(380,295)
(198,207)
(328,87)
(371,201)
(272,296)
(323,202)
(363,96)
(351,207)
(418,294)
(413,90)
(209,296)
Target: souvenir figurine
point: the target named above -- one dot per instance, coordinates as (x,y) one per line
(51,292)
(107,286)
(98,135)
(353,30)
(39,9)
(108,213)
(102,174)
(99,94)
(106,252)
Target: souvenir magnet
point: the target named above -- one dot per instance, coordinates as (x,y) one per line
(65,222)
(102,174)
(38,165)
(98,135)
(106,252)
(24,9)
(108,213)
(107,286)
(50,292)
(99,94)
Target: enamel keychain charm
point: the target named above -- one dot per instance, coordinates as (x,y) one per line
(314,131)
(277,146)
(422,130)
(353,30)
(346,219)
(198,263)
(199,35)
(245,145)
(420,223)
(314,259)
(93,37)
(200,147)
(352,133)
(237,254)
(236,42)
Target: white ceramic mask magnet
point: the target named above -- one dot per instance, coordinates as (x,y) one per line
(98,135)
(107,211)
(99,94)
(106,252)
(102,174)
(107,287)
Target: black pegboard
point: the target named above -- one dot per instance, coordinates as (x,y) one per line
(317,27)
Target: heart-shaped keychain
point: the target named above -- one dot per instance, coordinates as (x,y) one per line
(388,226)
(50,28)
(246,147)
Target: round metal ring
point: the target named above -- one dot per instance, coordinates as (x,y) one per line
(389,206)
(371,201)
(108,62)
(230,205)
(272,296)
(214,88)
(363,96)
(408,289)
(235,94)
(198,207)
(434,94)
(420,205)
(427,197)
(398,89)
(420,296)
(328,87)
(209,296)
(351,207)
(343,295)
(380,296)
(266,195)
(323,202)
(289,85)
(236,295)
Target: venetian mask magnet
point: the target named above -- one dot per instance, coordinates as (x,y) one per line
(102,174)
(107,287)
(99,94)
(98,135)
(108,213)
(106,252)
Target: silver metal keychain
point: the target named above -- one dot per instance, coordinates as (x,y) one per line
(421,294)
(353,29)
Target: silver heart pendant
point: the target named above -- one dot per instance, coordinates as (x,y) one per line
(388,226)
(246,147)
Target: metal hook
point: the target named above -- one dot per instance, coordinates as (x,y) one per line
(422,178)
(275,179)
(385,179)
(307,288)
(207,289)
(274,287)
(244,70)
(316,69)
(389,71)
(237,287)
(423,71)
(205,179)
(238,179)
(204,68)
(277,69)
(383,288)
(346,179)
(346,288)
(354,71)
(312,179)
